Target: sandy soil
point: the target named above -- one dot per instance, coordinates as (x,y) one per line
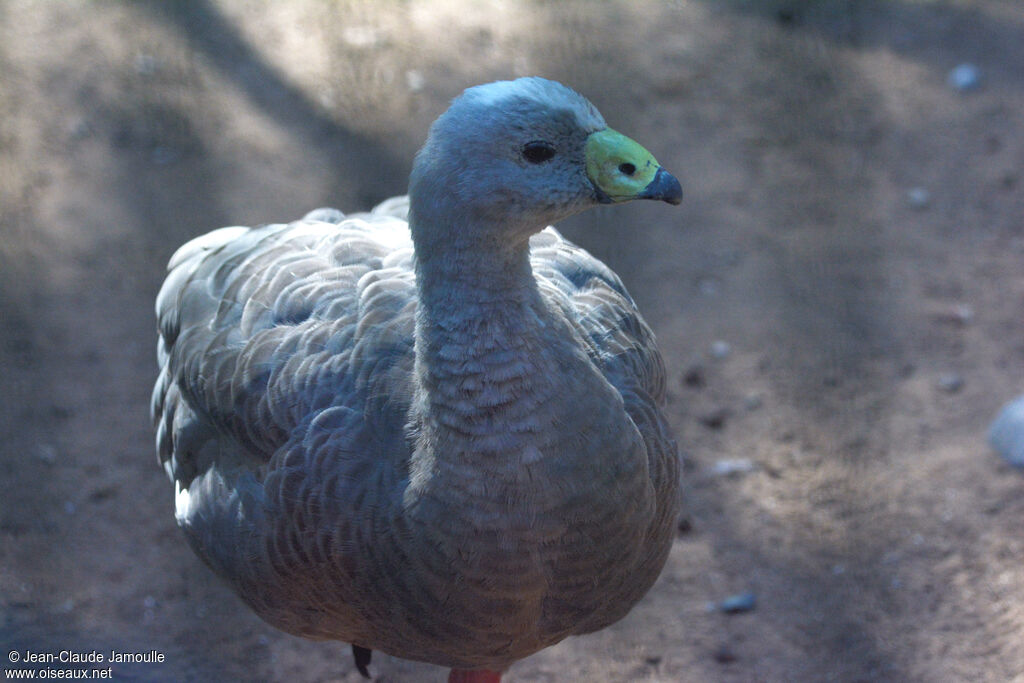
(881,537)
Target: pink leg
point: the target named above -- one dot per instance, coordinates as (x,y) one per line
(481,676)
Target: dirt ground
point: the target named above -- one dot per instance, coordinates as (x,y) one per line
(853,231)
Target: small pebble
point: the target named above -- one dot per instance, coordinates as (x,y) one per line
(963,313)
(787,15)
(716,418)
(725,654)
(731,466)
(79,129)
(361,36)
(1006,435)
(752,401)
(327,98)
(950,382)
(60,412)
(735,604)
(720,349)
(919,197)
(47,453)
(163,155)
(414,80)
(957,314)
(694,377)
(964,77)
(708,286)
(149,602)
(146,65)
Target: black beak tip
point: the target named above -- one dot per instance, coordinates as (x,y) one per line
(665,187)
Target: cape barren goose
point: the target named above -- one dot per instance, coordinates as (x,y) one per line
(433,429)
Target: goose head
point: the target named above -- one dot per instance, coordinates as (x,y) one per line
(509,158)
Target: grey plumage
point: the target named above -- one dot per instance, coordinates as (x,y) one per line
(444,443)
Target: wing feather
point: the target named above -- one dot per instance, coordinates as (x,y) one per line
(593,297)
(263,329)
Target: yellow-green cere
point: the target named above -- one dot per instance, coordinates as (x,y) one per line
(619,166)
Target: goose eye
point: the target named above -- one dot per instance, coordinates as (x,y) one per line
(538,152)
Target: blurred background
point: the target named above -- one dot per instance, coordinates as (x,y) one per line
(839,299)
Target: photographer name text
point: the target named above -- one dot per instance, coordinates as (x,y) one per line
(90,657)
